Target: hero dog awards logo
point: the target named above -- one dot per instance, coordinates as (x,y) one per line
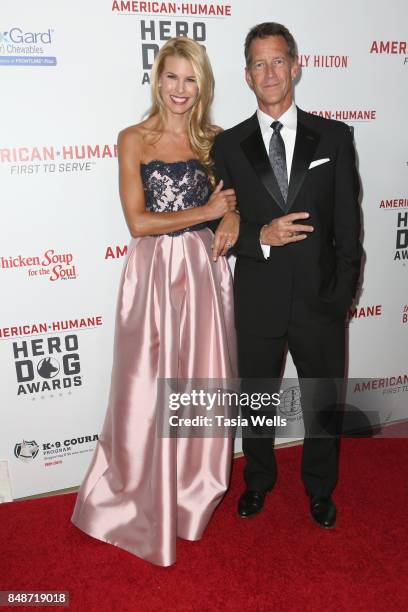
(47,364)
(21,47)
(173,19)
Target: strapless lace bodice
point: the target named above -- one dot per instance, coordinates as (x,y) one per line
(174,186)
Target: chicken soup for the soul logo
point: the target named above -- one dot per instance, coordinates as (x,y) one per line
(53,159)
(20,46)
(51,264)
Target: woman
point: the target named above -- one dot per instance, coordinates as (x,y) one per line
(174,320)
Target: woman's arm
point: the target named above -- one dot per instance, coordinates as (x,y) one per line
(142,222)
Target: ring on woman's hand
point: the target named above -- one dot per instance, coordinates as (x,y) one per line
(228,245)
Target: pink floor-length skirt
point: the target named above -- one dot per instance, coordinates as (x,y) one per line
(174,320)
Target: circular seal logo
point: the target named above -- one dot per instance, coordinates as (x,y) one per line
(26,451)
(290,404)
(48,367)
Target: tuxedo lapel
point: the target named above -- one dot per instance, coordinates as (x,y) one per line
(254,150)
(305,147)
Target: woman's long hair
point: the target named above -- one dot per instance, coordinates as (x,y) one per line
(200,130)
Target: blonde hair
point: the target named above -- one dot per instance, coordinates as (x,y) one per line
(200,130)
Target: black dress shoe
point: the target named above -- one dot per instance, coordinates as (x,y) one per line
(250,503)
(323,512)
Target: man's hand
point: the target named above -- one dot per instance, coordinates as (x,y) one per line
(283,230)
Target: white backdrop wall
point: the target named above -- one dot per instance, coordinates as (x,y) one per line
(72,74)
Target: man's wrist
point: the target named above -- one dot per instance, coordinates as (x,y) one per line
(266,249)
(260,233)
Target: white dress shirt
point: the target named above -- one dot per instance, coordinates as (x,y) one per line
(288,133)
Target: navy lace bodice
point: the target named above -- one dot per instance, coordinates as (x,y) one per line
(173,186)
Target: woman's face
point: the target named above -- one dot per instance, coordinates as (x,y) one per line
(178,85)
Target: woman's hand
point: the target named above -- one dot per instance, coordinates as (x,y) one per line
(226,234)
(220,202)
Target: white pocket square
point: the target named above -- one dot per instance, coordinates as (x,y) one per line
(318,162)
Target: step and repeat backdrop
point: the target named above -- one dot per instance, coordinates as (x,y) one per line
(72,74)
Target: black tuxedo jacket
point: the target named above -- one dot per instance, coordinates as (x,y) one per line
(323,269)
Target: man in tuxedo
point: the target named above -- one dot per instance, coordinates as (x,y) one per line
(298,255)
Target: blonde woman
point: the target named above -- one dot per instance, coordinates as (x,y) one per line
(174,320)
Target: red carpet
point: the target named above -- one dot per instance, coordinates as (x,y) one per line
(278,560)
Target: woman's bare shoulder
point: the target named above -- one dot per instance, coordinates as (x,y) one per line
(133,137)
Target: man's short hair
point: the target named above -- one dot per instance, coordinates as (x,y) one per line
(264,30)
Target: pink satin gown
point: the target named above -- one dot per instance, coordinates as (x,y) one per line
(174,320)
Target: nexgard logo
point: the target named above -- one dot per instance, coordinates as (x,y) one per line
(19,47)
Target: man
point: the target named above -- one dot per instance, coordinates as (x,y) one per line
(298,255)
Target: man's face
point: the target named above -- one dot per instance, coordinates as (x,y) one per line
(270,74)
